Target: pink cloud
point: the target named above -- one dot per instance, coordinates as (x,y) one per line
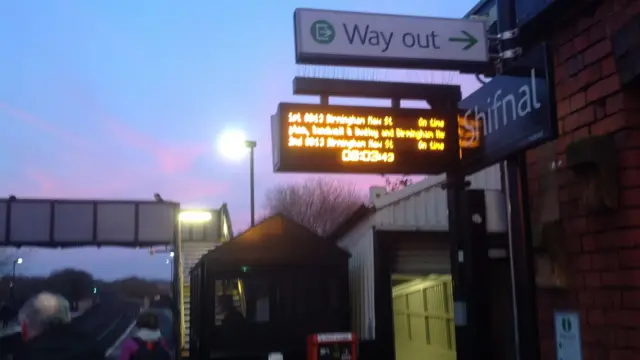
(44,184)
(171,158)
(182,188)
(101,173)
(42,125)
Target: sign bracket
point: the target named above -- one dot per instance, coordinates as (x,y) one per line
(508,54)
(508,37)
(505,35)
(511,53)
(396,91)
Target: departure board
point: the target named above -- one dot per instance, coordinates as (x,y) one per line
(345,139)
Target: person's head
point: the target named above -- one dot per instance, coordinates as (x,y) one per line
(147,321)
(226,303)
(42,312)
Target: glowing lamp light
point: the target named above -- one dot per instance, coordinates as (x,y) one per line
(172,254)
(19,260)
(233,144)
(195,216)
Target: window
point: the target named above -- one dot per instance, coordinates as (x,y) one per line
(242,300)
(257,291)
(229,302)
(262,309)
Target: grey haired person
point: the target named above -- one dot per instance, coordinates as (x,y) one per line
(49,333)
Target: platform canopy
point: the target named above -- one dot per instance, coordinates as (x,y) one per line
(72,223)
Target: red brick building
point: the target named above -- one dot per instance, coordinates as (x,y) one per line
(597,254)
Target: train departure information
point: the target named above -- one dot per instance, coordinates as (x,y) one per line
(365,138)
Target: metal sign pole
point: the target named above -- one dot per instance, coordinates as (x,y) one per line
(469,262)
(520,242)
(521,255)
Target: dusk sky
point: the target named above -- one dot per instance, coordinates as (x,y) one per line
(122,99)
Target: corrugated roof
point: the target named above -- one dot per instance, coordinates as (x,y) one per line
(353,219)
(385,200)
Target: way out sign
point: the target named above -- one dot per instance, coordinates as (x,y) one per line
(361,39)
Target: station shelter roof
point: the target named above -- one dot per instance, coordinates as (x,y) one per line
(275,242)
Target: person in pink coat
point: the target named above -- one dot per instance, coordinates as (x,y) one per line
(146,342)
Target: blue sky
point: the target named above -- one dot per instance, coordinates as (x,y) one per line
(121,99)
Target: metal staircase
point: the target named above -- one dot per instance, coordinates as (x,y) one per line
(195,240)
(191,253)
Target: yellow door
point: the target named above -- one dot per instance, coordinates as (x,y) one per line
(423,319)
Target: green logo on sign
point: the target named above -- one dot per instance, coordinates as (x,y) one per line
(566,324)
(322,32)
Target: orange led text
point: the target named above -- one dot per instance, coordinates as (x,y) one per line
(365,139)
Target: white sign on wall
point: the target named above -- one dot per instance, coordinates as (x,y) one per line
(364,39)
(568,341)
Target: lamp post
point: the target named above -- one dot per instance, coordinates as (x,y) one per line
(252,145)
(233,144)
(169,261)
(12,284)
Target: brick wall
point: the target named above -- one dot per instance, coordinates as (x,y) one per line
(603,252)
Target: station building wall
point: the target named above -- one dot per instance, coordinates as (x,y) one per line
(599,257)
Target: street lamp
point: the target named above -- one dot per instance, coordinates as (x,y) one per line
(12,284)
(192,217)
(234,145)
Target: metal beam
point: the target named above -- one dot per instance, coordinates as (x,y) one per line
(432,93)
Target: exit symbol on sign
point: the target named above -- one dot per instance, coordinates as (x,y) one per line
(566,324)
(468,38)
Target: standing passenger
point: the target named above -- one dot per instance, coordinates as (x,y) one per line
(147,342)
(7,314)
(232,317)
(49,334)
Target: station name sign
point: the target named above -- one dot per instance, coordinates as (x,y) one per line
(509,114)
(347,139)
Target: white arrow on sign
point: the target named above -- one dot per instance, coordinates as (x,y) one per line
(362,39)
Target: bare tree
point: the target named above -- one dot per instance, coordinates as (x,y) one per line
(397,183)
(320,204)
(74,284)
